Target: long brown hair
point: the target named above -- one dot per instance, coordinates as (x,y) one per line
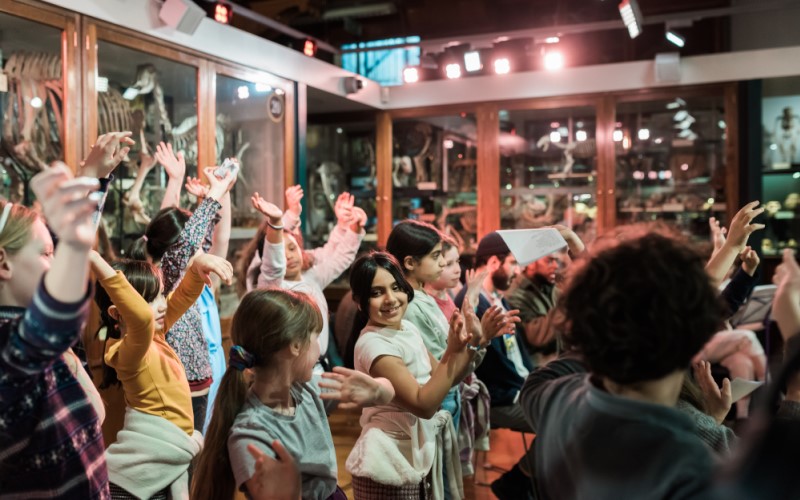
(266,322)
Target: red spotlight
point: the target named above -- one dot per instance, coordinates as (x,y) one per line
(223,13)
(309,47)
(502,66)
(453,71)
(553,60)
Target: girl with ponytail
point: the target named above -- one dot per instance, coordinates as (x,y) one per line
(264,396)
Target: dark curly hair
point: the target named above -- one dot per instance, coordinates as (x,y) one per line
(640,306)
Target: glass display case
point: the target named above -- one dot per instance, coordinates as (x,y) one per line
(670,162)
(781,164)
(434,174)
(548,169)
(32,99)
(156,99)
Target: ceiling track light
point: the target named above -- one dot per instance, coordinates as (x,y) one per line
(675,38)
(631,17)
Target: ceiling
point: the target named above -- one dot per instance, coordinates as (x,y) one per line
(328,20)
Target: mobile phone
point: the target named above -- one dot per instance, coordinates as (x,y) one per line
(229,165)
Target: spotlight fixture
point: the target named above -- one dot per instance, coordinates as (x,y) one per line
(472,61)
(502,66)
(223,12)
(552,39)
(631,16)
(581,135)
(453,71)
(553,60)
(617,135)
(644,134)
(675,38)
(352,84)
(309,47)
(411,74)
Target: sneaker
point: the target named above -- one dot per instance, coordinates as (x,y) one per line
(513,485)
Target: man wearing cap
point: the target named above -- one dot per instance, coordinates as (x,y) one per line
(507,363)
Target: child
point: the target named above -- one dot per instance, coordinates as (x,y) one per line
(282,260)
(51,445)
(275,334)
(395,453)
(172,238)
(442,290)
(157,443)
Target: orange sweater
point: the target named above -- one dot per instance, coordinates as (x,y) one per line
(152,376)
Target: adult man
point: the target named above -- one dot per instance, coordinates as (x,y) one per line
(534,293)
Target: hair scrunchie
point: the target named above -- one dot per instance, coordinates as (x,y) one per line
(240,358)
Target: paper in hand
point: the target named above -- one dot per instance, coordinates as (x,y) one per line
(741,387)
(530,245)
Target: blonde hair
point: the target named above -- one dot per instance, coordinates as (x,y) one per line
(17,231)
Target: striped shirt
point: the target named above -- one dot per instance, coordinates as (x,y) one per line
(51,444)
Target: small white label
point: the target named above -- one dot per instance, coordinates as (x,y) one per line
(3,82)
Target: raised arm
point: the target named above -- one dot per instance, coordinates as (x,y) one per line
(424,400)
(273,261)
(740,230)
(340,251)
(176,258)
(58,310)
(175,165)
(199,274)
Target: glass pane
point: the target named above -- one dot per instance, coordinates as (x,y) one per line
(434,174)
(781,168)
(548,163)
(32,106)
(341,157)
(251,128)
(671,162)
(156,98)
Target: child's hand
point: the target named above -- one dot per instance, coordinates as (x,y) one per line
(741,227)
(294,197)
(274,479)
(472,324)
(786,304)
(175,165)
(109,150)
(68,204)
(195,187)
(717,233)
(474,284)
(270,210)
(497,322)
(750,260)
(354,389)
(359,219)
(218,186)
(206,264)
(718,401)
(343,208)
(457,337)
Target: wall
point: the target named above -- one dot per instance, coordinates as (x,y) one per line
(760,30)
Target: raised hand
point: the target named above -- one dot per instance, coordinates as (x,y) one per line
(750,260)
(109,150)
(457,337)
(786,304)
(359,219)
(354,389)
(472,324)
(218,186)
(343,208)
(718,400)
(574,242)
(68,204)
(175,165)
(274,479)
(206,264)
(268,209)
(293,198)
(717,233)
(195,187)
(742,226)
(474,282)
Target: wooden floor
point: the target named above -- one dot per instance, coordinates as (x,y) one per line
(506,450)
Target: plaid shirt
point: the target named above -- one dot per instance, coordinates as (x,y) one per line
(51,444)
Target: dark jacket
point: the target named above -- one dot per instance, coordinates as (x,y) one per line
(496,371)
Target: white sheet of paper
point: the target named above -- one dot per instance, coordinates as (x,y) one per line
(530,245)
(741,388)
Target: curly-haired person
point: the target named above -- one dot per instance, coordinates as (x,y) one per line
(637,311)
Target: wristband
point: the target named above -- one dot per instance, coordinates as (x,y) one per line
(277,228)
(476,348)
